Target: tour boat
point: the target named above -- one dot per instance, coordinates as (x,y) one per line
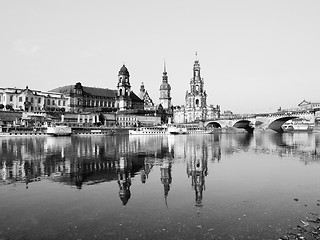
(298,126)
(198,130)
(172,129)
(59,130)
(157,130)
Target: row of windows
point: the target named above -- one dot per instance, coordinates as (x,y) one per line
(126,124)
(53,102)
(38,100)
(126,119)
(92,103)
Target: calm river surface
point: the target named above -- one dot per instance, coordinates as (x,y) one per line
(231,186)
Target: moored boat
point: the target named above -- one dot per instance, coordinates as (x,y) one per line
(172,129)
(198,130)
(298,125)
(157,130)
(59,130)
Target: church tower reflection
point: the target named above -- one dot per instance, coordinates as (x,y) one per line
(197,169)
(166,178)
(124,167)
(144,172)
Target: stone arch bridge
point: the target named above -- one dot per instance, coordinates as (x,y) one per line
(273,121)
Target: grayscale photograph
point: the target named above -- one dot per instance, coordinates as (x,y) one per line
(160,120)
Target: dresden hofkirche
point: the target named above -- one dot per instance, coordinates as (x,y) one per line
(196,108)
(165,89)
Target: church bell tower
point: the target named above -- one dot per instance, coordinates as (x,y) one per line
(165,88)
(124,89)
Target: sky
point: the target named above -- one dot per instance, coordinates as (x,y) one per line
(255,55)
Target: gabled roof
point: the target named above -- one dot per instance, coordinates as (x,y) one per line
(135,98)
(304,102)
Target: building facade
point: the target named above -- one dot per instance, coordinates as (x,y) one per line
(88,99)
(305,105)
(195,108)
(92,99)
(28,100)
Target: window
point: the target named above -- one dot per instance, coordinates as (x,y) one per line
(31,100)
(64,103)
(39,100)
(27,99)
(59,102)
(48,101)
(53,102)
(20,99)
(0,98)
(11,98)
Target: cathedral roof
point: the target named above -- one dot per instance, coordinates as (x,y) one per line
(98,92)
(124,71)
(101,92)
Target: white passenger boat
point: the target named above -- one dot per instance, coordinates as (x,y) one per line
(59,130)
(198,130)
(157,130)
(298,125)
(172,129)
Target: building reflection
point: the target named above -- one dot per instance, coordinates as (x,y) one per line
(166,178)
(145,171)
(124,168)
(84,161)
(197,169)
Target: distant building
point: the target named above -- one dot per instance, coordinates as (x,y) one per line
(93,99)
(305,105)
(88,99)
(32,100)
(196,108)
(126,99)
(144,95)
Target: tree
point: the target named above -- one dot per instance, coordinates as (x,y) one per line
(8,107)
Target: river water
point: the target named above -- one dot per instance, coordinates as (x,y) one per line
(228,186)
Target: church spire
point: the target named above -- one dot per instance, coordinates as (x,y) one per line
(165,88)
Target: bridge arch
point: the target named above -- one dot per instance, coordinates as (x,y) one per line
(276,125)
(213,124)
(245,124)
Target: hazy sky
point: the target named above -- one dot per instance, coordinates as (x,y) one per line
(255,56)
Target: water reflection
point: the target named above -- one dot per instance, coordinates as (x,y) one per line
(166,178)
(79,161)
(124,168)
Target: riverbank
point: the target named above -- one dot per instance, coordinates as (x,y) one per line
(75,131)
(307,228)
